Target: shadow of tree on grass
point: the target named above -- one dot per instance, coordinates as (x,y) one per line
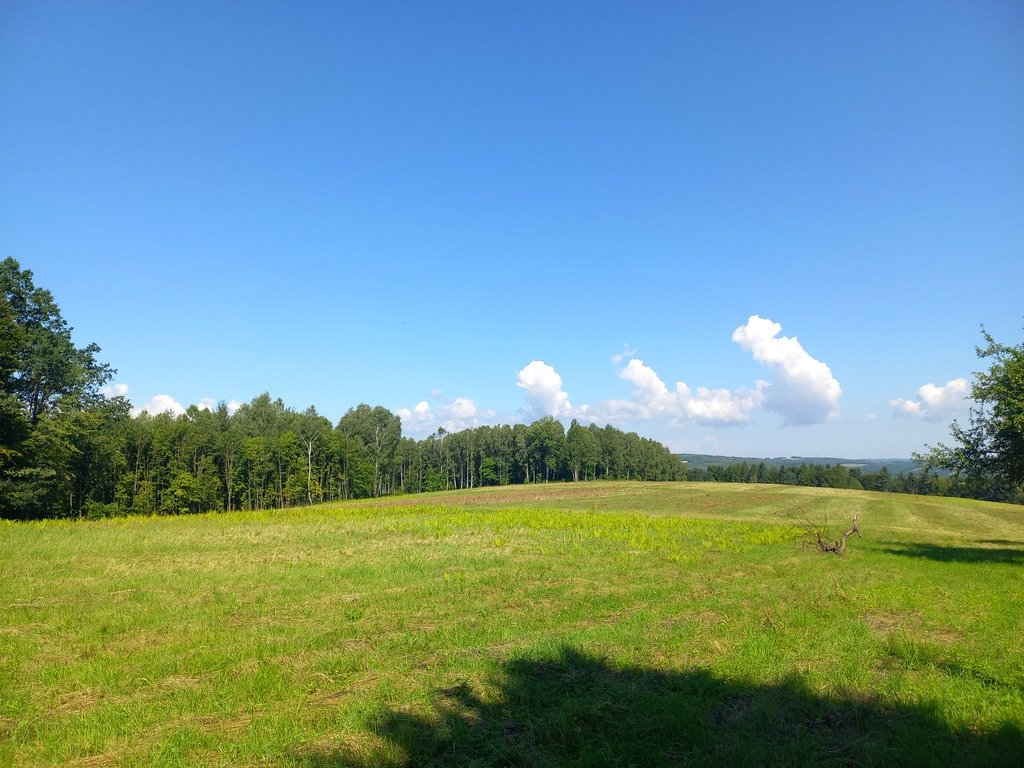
(1002,542)
(990,554)
(576,710)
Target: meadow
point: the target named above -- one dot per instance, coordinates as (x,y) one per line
(586,624)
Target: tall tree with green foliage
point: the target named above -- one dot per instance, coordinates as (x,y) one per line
(546,448)
(989,451)
(584,451)
(315,437)
(378,432)
(41,365)
(52,414)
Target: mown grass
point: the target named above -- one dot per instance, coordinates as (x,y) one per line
(586,624)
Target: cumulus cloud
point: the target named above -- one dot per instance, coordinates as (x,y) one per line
(934,403)
(166,404)
(209,404)
(418,418)
(804,390)
(461,413)
(544,394)
(160,404)
(114,390)
(652,399)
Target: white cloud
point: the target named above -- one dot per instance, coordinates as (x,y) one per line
(626,353)
(544,394)
(461,413)
(652,399)
(934,403)
(418,418)
(805,391)
(461,408)
(114,390)
(160,404)
(209,404)
(165,403)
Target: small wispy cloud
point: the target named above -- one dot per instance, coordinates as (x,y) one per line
(934,403)
(627,352)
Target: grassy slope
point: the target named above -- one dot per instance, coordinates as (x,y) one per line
(590,624)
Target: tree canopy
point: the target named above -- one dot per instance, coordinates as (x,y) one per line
(40,365)
(55,424)
(989,450)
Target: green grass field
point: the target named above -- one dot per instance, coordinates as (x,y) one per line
(587,624)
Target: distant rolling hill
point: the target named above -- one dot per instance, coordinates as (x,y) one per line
(895,466)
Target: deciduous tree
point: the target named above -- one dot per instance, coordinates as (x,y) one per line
(989,451)
(378,431)
(40,364)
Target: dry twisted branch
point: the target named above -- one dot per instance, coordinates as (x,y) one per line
(822,542)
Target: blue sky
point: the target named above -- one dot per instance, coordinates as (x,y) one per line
(483,212)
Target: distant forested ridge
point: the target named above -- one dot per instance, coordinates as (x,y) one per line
(924,482)
(895,466)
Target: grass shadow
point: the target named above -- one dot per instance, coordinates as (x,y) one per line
(577,710)
(1001,554)
(1002,542)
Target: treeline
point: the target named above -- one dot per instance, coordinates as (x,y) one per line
(68,450)
(922,483)
(268,456)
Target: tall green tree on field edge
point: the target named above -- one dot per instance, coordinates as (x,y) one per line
(58,434)
(989,451)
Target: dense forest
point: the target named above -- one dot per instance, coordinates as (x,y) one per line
(67,450)
(269,456)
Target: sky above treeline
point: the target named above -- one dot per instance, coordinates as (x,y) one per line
(745,228)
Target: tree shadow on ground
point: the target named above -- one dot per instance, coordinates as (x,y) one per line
(989,554)
(576,710)
(1002,542)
